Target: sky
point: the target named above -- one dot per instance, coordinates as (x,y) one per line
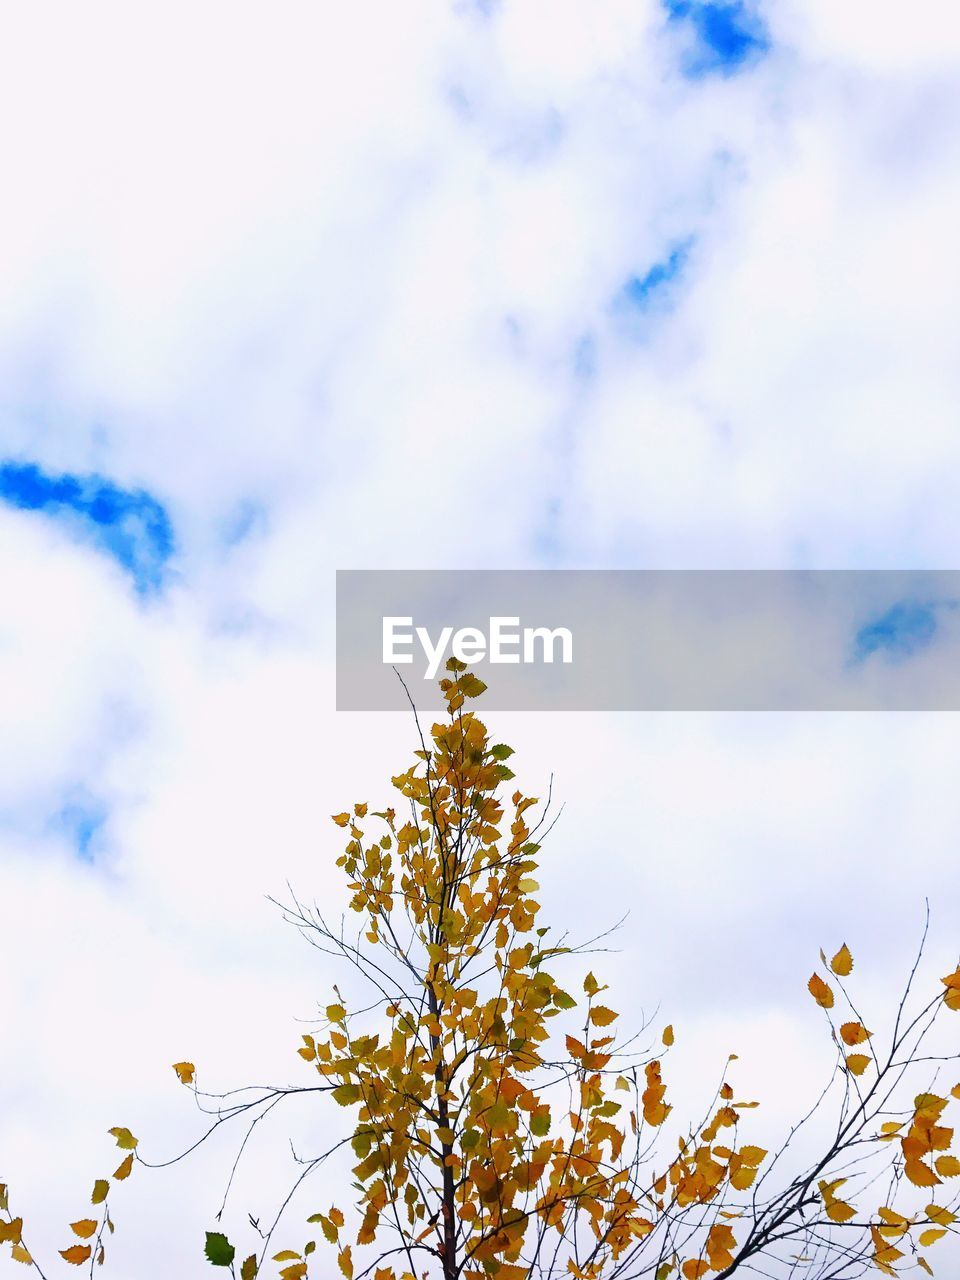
(472,284)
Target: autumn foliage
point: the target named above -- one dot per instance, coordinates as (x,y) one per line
(499,1124)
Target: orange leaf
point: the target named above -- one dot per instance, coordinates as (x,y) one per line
(77,1254)
(852,1033)
(920,1174)
(820,992)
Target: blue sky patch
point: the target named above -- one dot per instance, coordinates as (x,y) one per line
(128,524)
(641,291)
(904,630)
(726,35)
(81,821)
(651,292)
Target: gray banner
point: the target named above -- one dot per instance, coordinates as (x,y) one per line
(647,640)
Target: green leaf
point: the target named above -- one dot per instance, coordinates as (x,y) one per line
(501,751)
(540,1124)
(471,686)
(219,1250)
(249,1269)
(564,1001)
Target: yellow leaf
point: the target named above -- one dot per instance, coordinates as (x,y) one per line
(345,1261)
(77,1254)
(19,1254)
(125,1139)
(590,985)
(123,1171)
(185,1072)
(341,819)
(668,1035)
(857,1063)
(820,992)
(840,1211)
(931,1236)
(948,1167)
(752,1155)
(10,1231)
(336,1012)
(602,1016)
(84,1228)
(101,1189)
(842,962)
(937,1213)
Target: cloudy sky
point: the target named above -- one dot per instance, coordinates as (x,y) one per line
(473,284)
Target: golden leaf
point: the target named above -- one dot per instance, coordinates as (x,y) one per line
(842,962)
(931,1236)
(752,1155)
(857,1063)
(84,1228)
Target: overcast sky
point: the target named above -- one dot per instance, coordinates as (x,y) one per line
(295,287)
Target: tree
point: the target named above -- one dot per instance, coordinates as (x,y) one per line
(500,1125)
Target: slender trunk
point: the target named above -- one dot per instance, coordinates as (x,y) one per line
(448,1206)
